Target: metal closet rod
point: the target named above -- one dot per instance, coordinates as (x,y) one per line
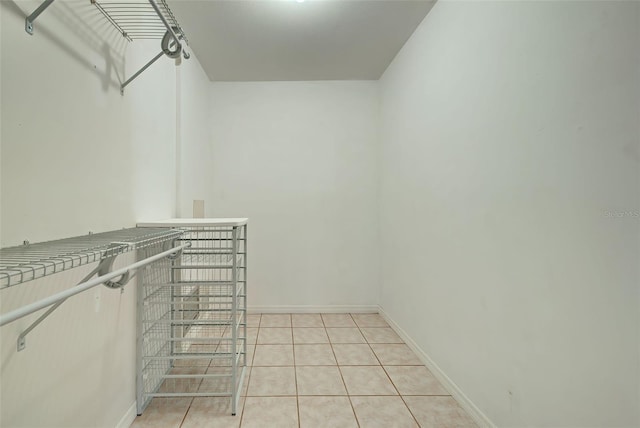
(63,295)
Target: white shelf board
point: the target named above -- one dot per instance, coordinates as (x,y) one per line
(195,222)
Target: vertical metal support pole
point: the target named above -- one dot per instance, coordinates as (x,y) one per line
(178,144)
(234,319)
(139,345)
(245,296)
(28,22)
(173,328)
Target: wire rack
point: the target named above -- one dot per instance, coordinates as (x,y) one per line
(28,262)
(137,19)
(192,315)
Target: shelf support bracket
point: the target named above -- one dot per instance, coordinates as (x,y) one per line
(104,267)
(139,72)
(22,339)
(28,23)
(185,54)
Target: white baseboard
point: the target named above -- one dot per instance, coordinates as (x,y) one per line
(128,417)
(310,309)
(476,414)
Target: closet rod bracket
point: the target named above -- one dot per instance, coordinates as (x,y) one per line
(28,23)
(106,266)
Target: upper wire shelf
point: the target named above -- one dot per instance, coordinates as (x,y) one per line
(137,19)
(28,262)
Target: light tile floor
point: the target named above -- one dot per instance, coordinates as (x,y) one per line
(321,371)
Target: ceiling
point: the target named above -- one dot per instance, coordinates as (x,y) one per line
(265,40)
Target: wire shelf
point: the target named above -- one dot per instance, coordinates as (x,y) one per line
(137,19)
(28,262)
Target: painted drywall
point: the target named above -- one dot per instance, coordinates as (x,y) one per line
(78,368)
(298,159)
(193,138)
(77,156)
(510,195)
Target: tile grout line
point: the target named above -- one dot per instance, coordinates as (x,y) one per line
(250,372)
(390,380)
(295,370)
(339,366)
(341,376)
(401,396)
(392,383)
(330,343)
(184,417)
(295,366)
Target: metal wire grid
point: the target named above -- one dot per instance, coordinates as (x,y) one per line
(189,321)
(153,340)
(137,19)
(28,262)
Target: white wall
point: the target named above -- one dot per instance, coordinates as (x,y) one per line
(298,159)
(509,133)
(77,157)
(78,368)
(508,199)
(194,138)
